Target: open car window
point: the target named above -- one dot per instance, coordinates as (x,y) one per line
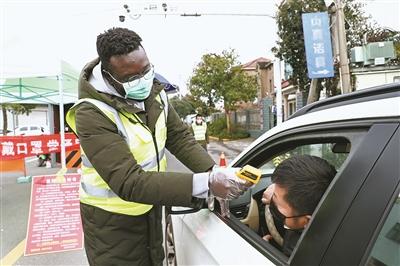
(334,153)
(250,211)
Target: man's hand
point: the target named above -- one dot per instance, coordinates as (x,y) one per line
(267,237)
(225,184)
(267,195)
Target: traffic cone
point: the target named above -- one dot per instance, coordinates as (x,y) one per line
(222,161)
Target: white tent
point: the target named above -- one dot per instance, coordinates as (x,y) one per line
(50,82)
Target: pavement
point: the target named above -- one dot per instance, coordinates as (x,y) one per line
(231,148)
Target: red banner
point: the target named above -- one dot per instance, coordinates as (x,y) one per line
(17,147)
(54,223)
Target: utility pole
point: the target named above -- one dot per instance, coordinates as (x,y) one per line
(343,59)
(278,86)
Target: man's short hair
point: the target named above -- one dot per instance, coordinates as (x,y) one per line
(305,178)
(116,41)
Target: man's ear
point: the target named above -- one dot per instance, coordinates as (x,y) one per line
(307,219)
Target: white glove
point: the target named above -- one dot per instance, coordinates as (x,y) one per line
(224,183)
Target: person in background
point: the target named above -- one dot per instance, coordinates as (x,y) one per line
(125,123)
(298,184)
(199,130)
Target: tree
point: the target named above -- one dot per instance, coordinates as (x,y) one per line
(290,47)
(15,109)
(182,106)
(220,78)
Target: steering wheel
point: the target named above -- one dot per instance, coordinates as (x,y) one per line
(271,227)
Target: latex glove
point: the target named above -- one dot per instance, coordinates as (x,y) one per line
(225,184)
(267,195)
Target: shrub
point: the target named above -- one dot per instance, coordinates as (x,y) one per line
(218,129)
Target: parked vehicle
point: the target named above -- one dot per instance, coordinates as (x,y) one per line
(357,221)
(31,130)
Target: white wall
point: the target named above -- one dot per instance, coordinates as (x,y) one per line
(369,79)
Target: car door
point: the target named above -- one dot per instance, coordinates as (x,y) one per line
(353,147)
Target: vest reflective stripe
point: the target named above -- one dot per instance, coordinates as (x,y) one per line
(85,161)
(199,131)
(94,190)
(98,192)
(151,163)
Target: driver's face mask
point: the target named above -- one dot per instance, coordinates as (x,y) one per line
(279,218)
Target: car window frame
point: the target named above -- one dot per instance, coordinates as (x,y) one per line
(381,205)
(340,197)
(289,140)
(340,129)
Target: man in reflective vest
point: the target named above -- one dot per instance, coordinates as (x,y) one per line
(125,124)
(199,129)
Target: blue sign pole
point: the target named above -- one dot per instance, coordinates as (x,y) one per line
(317,40)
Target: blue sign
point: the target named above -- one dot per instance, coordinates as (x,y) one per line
(317,40)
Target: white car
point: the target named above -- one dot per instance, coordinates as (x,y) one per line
(357,221)
(31,130)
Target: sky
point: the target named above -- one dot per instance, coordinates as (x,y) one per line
(35,34)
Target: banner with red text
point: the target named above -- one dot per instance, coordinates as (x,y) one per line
(17,147)
(54,223)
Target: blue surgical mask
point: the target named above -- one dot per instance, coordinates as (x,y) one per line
(141,90)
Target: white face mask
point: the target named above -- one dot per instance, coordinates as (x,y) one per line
(137,87)
(141,90)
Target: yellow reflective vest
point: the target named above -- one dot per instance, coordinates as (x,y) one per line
(148,150)
(199,131)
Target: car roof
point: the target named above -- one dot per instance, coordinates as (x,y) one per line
(370,94)
(377,102)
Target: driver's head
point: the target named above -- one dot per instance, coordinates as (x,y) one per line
(300,182)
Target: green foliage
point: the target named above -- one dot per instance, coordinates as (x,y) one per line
(220,78)
(182,106)
(218,129)
(16,109)
(290,47)
(356,23)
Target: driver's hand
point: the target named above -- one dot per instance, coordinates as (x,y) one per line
(267,238)
(267,195)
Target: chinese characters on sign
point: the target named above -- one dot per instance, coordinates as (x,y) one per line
(54,223)
(17,147)
(317,40)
